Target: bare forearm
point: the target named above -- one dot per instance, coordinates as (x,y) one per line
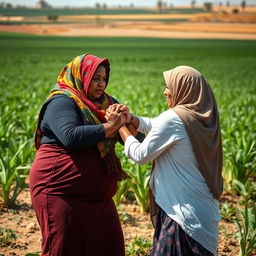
(124,133)
(109,129)
(129,129)
(132,130)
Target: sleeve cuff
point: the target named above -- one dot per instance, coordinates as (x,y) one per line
(140,127)
(130,139)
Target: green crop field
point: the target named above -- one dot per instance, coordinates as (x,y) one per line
(91,11)
(30,66)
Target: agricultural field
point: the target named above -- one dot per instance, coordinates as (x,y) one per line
(30,65)
(180,22)
(93,11)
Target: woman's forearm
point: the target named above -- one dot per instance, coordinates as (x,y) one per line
(132,130)
(124,133)
(109,130)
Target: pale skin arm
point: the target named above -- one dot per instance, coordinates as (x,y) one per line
(124,132)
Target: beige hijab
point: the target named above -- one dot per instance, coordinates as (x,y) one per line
(194,103)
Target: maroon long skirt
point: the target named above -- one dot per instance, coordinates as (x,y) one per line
(72,197)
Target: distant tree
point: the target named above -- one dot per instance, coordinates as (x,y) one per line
(193,3)
(159,5)
(8,5)
(97,5)
(227,3)
(131,5)
(52,17)
(220,5)
(208,6)
(104,6)
(235,11)
(243,5)
(42,4)
(21,6)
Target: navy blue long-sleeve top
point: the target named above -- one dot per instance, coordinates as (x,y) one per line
(64,124)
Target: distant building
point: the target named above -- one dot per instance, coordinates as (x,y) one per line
(41,4)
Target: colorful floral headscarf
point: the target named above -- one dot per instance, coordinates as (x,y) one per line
(73,81)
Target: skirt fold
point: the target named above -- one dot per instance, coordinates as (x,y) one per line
(171,240)
(79,228)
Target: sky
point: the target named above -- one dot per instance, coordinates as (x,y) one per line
(112,3)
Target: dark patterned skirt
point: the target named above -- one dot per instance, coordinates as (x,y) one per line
(171,240)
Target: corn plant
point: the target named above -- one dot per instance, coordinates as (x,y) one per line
(13,172)
(7,128)
(239,141)
(7,236)
(227,212)
(247,190)
(139,183)
(139,247)
(124,217)
(120,194)
(247,231)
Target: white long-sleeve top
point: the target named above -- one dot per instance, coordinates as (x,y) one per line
(176,182)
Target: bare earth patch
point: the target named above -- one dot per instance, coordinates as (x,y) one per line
(180,30)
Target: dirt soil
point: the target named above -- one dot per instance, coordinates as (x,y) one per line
(22,220)
(181,30)
(222,24)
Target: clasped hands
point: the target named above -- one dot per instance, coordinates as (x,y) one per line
(118,115)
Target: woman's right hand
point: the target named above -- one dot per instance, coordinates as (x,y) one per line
(115,120)
(123,109)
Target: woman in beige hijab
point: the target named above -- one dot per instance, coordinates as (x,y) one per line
(185,144)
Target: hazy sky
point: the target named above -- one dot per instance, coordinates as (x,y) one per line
(150,3)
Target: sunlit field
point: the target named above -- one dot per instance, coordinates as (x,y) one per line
(30,66)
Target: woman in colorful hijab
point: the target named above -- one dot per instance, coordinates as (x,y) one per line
(184,143)
(75,172)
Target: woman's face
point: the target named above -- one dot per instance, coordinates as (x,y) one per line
(98,83)
(168,95)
